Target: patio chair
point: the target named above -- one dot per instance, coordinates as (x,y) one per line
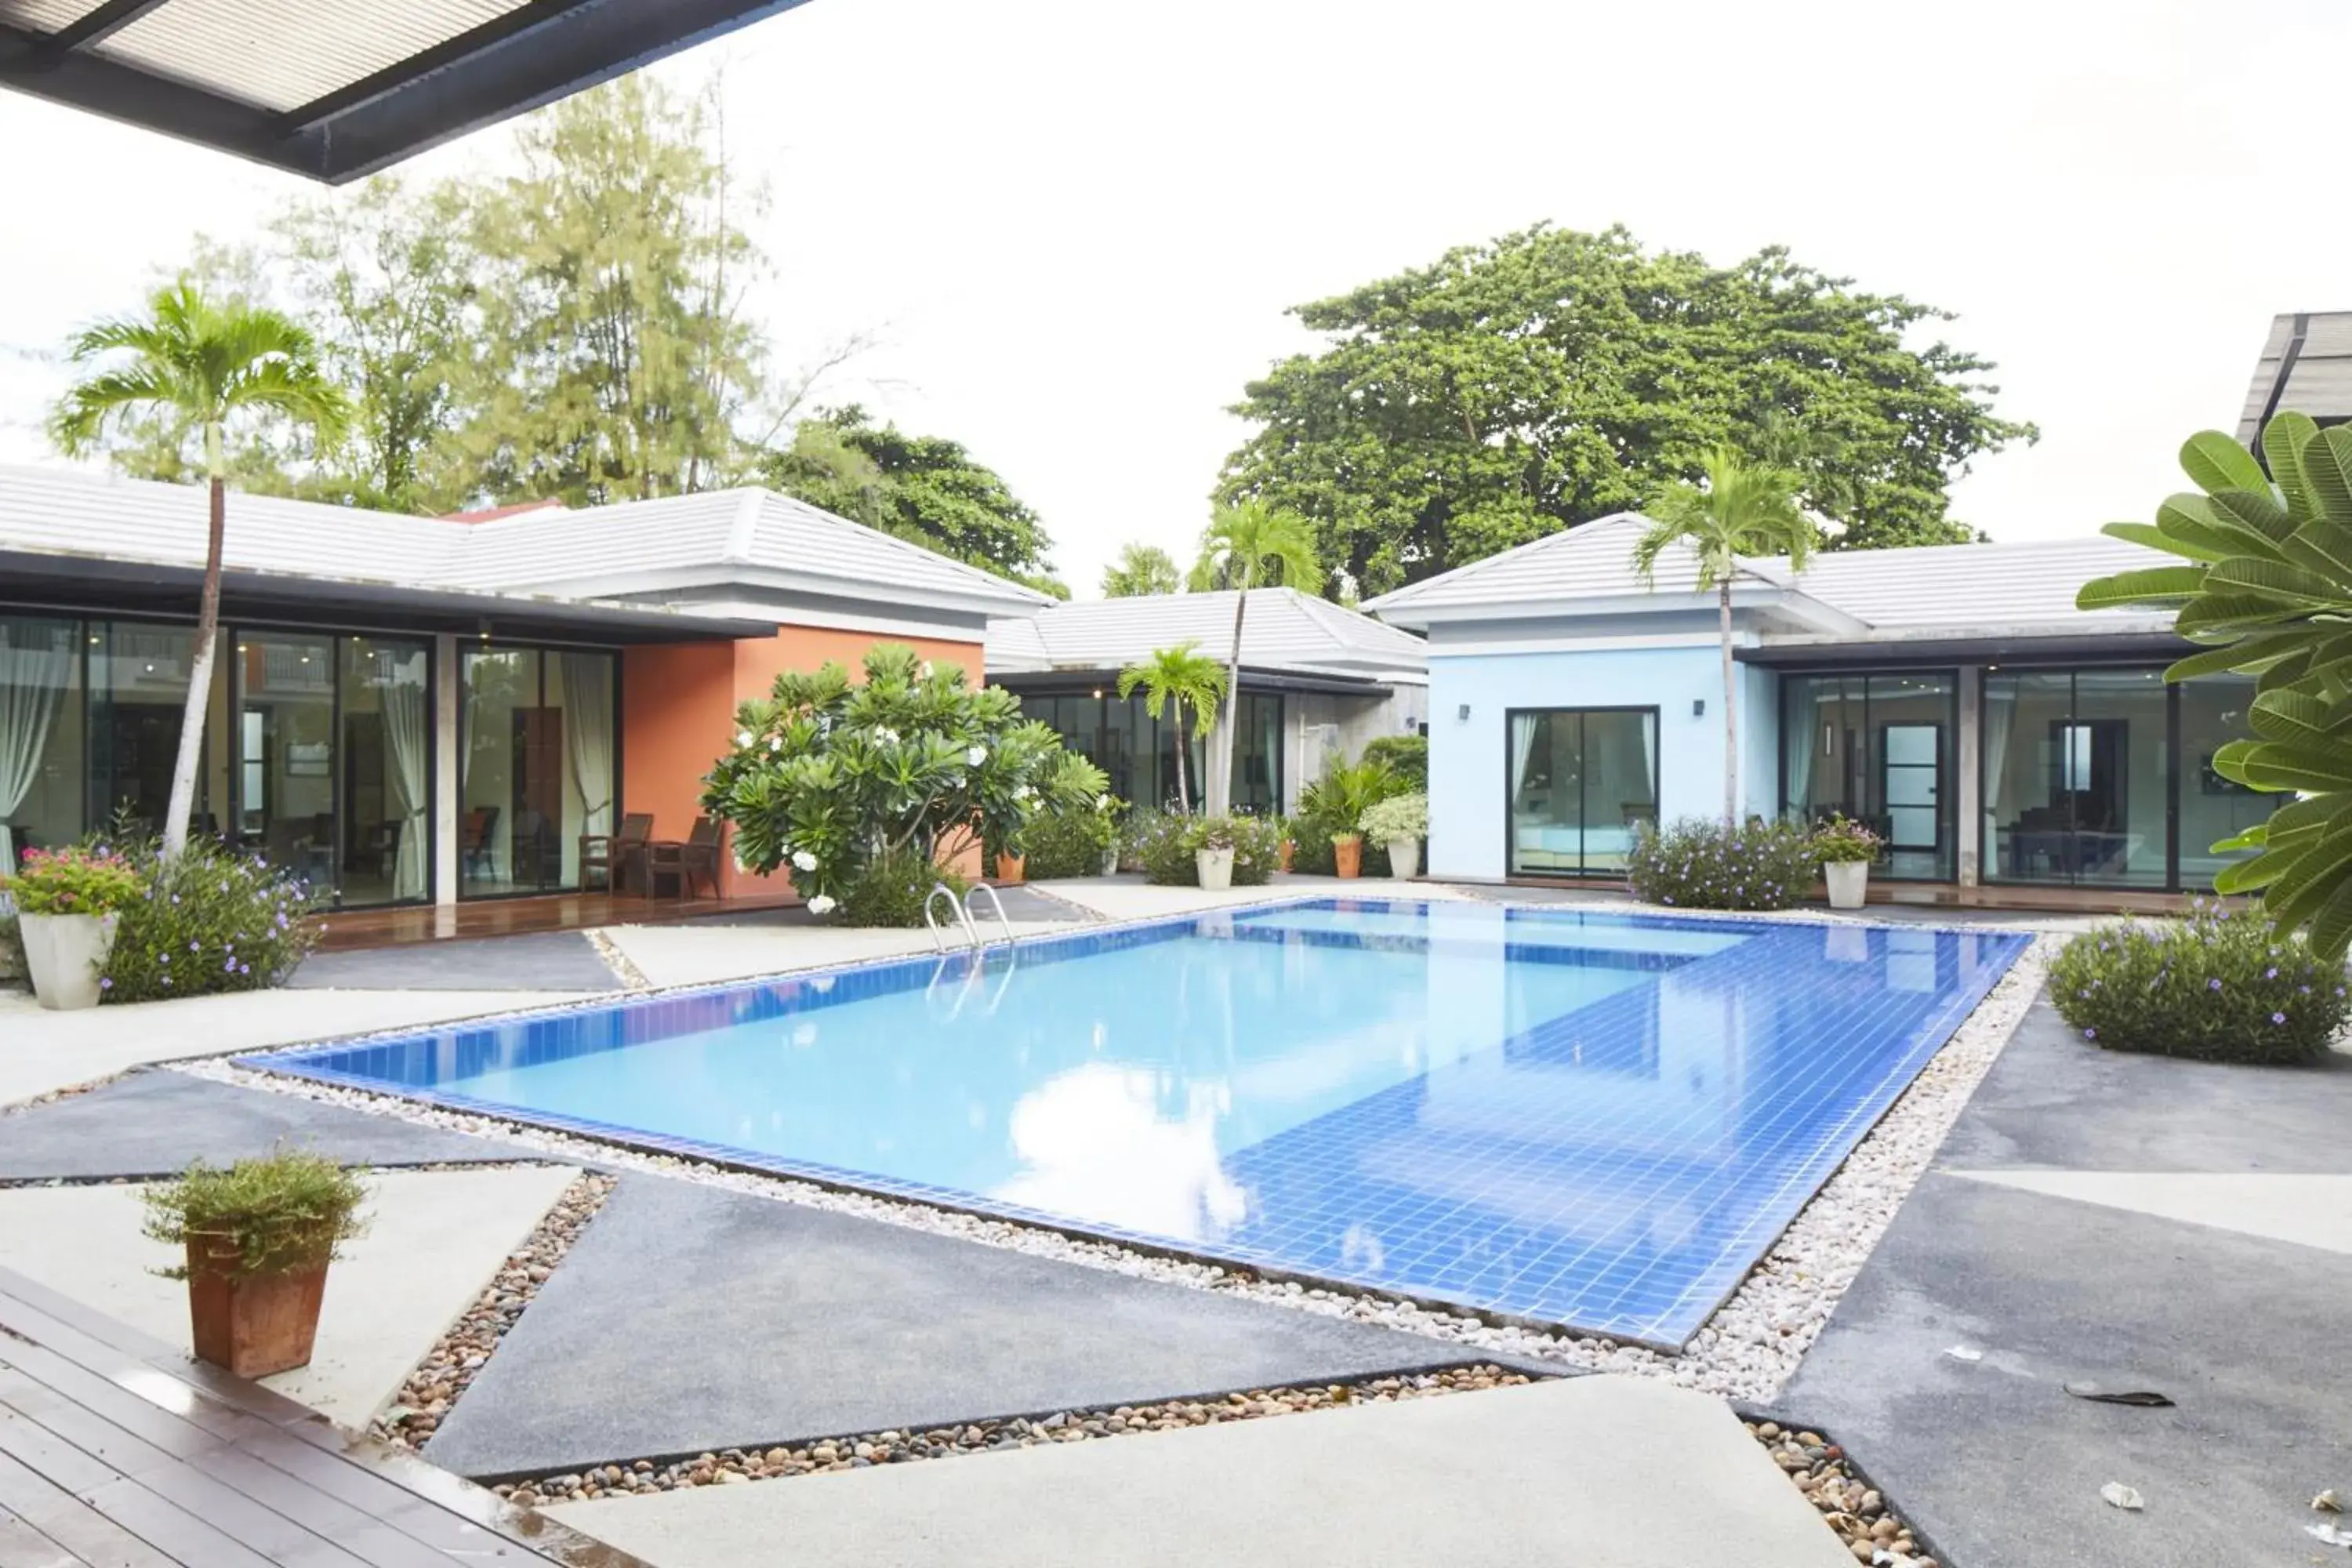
(479,849)
(616,858)
(700,858)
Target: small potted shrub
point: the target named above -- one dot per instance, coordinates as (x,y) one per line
(69,902)
(1012,868)
(1212,854)
(1290,832)
(1846,848)
(1397,825)
(259,1236)
(1348,853)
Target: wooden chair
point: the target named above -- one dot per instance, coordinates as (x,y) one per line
(696,857)
(479,849)
(700,858)
(617,858)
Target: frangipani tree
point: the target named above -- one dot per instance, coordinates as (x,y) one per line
(2267,585)
(205,362)
(1744,508)
(827,774)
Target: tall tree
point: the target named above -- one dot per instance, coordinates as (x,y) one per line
(619,361)
(1142,570)
(1551,377)
(1743,509)
(1175,681)
(191,358)
(1245,542)
(924,489)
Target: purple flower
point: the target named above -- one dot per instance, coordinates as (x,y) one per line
(105,982)
(2278,1018)
(2272,972)
(245,969)
(2090,1033)
(2214,984)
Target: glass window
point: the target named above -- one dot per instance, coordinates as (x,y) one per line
(138,677)
(2077,779)
(385,842)
(1880,748)
(536,767)
(1582,782)
(1257,753)
(284,770)
(2213,713)
(40,735)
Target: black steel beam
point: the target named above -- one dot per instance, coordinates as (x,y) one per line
(103,22)
(546,50)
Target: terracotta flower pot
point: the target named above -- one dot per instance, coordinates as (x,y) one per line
(1348,855)
(1011,869)
(256,1324)
(1288,850)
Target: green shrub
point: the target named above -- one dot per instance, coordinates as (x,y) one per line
(1697,864)
(78,879)
(1071,841)
(12,948)
(1398,817)
(1407,756)
(891,889)
(1165,847)
(1841,839)
(1336,803)
(288,1211)
(2222,986)
(208,920)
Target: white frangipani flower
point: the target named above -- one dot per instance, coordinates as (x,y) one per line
(822,904)
(742,737)
(775,742)
(977,755)
(804,860)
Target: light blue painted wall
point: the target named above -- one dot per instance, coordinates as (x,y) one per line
(1469,757)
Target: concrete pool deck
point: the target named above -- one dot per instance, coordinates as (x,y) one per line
(1602,1472)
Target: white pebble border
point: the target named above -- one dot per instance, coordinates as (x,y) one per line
(624,968)
(1745,1352)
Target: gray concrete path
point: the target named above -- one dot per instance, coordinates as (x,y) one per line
(155,1121)
(1597,1472)
(689,1317)
(540,961)
(2059,1243)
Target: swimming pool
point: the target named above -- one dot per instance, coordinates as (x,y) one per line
(1595,1119)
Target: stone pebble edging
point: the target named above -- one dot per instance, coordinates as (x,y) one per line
(1872,1531)
(1745,1351)
(450,1366)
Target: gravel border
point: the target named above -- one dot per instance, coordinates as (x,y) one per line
(1746,1352)
(624,968)
(1848,1504)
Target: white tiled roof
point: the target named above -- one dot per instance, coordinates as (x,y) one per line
(1281,629)
(624,551)
(1959,589)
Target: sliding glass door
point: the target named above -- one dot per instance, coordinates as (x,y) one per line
(1582,782)
(1880,748)
(2078,777)
(537,767)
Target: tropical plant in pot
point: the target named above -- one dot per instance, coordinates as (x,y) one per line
(1846,848)
(68,904)
(1399,824)
(1212,853)
(1348,791)
(257,1236)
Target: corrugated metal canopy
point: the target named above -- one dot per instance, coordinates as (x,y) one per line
(338,89)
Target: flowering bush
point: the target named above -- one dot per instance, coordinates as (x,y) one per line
(1166,847)
(1397,819)
(1841,840)
(2221,986)
(827,776)
(891,888)
(1696,863)
(1071,841)
(74,880)
(208,920)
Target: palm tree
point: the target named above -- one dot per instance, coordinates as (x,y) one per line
(1744,508)
(1141,569)
(1243,541)
(1175,678)
(203,362)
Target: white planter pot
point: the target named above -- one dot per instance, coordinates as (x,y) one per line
(1404,858)
(1110,861)
(1849,883)
(64,953)
(1216,867)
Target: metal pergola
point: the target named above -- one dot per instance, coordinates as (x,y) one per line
(335,90)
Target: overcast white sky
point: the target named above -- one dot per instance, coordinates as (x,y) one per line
(1076,226)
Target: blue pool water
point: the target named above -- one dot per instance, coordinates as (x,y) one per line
(1588,1118)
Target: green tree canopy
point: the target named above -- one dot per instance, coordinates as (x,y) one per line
(924,489)
(1551,378)
(1140,570)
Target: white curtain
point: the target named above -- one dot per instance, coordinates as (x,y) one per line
(1523,752)
(1649,723)
(2000,718)
(405,731)
(32,687)
(1800,756)
(588,723)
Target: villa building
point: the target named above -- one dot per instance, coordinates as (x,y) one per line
(1317,681)
(423,710)
(1953,698)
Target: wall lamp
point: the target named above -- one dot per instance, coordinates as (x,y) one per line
(1462,711)
(1698,707)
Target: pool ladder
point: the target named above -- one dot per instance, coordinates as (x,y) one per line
(961,908)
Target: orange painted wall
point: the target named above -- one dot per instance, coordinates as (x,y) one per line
(677,713)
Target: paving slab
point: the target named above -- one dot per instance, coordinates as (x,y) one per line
(690,1317)
(436,1239)
(2310,1211)
(42,1051)
(539,961)
(153,1123)
(1600,1472)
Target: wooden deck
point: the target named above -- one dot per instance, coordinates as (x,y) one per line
(117,1451)
(345,931)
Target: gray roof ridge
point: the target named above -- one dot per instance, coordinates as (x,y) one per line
(793,503)
(1472,568)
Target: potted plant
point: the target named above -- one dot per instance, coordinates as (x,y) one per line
(1845,849)
(68,903)
(1348,853)
(1289,846)
(259,1236)
(1012,868)
(1212,854)
(1397,825)
(1107,807)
